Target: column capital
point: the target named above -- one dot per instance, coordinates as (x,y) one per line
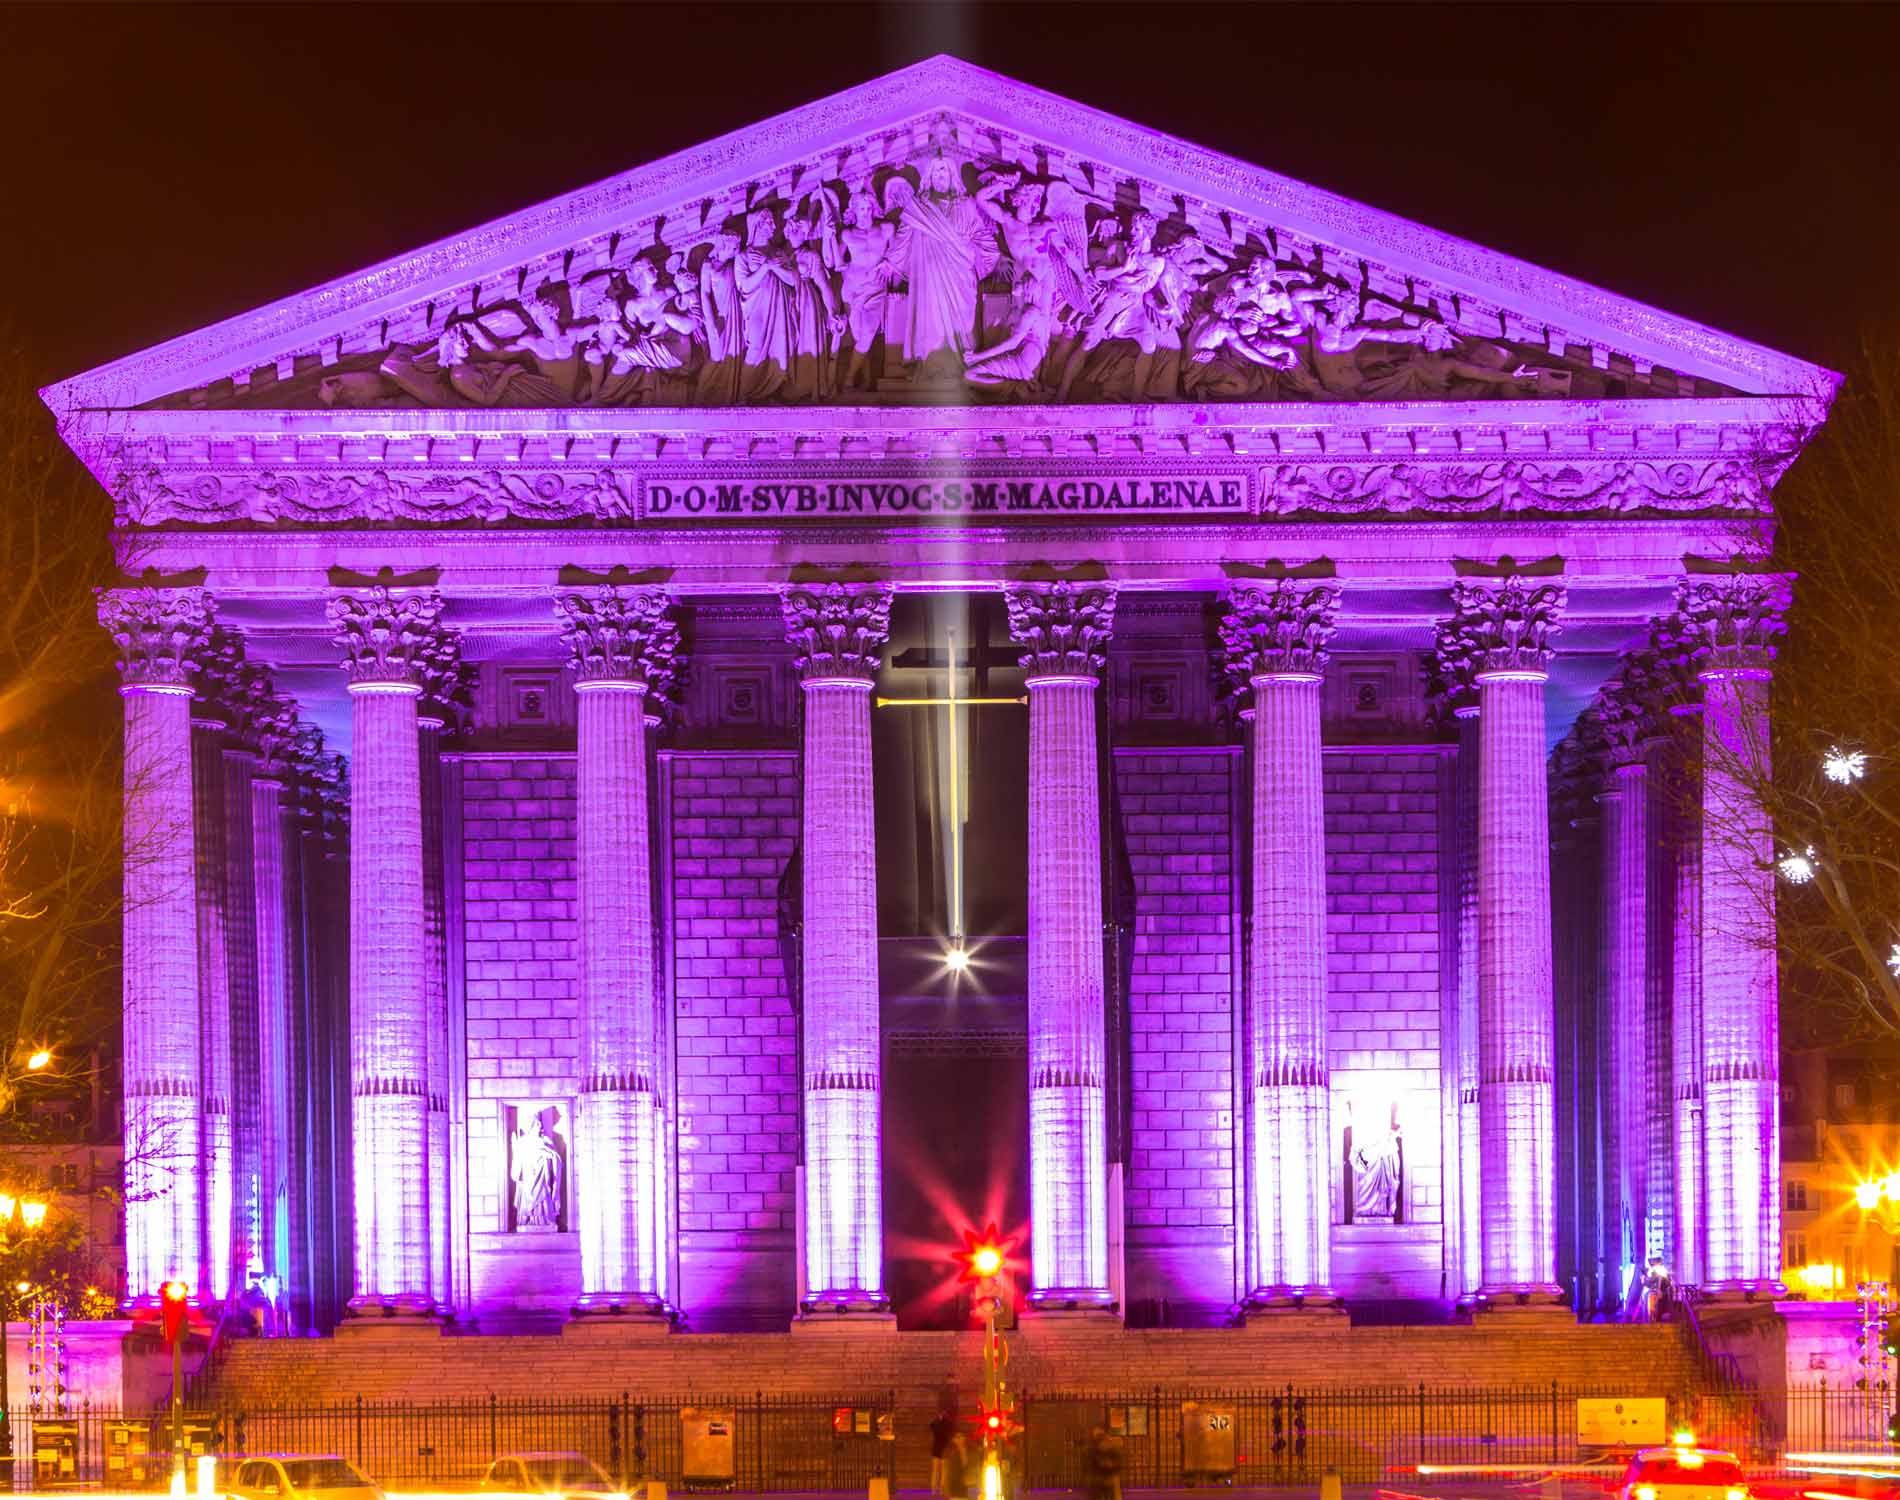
(1451,676)
(386,634)
(1734,620)
(1505,624)
(1064,625)
(159,632)
(1281,627)
(836,628)
(618,635)
(448,682)
(1629,710)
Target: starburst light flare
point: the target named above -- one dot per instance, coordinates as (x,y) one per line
(1798,868)
(1893,960)
(1844,766)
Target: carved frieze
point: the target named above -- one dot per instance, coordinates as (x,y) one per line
(837,628)
(387,635)
(1603,487)
(159,632)
(1279,627)
(615,634)
(1734,619)
(1063,625)
(1505,624)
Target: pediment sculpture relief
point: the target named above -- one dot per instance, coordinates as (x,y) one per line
(947,282)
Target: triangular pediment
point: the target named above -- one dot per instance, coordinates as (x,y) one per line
(941,235)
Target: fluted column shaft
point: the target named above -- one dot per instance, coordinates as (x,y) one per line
(1292,1211)
(383,634)
(1734,620)
(1065,628)
(157,630)
(435,1000)
(1625,912)
(613,635)
(837,630)
(220,1167)
(1686,1036)
(274,1011)
(1470,1272)
(1515,1020)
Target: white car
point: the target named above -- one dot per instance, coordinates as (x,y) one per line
(1684,1473)
(296,1476)
(552,1474)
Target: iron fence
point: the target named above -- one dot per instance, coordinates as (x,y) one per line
(814,1444)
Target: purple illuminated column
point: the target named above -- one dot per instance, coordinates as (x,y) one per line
(1454,669)
(385,635)
(1675,651)
(158,631)
(1064,628)
(611,634)
(1624,798)
(837,630)
(1736,618)
(273,1018)
(220,1177)
(1507,623)
(1277,634)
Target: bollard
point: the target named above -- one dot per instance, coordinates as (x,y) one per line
(207,1477)
(1329,1484)
(880,1489)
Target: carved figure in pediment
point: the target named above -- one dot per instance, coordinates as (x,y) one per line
(943,248)
(866,276)
(1128,302)
(766,276)
(721,324)
(471,365)
(817,325)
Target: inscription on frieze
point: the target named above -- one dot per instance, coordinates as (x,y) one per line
(698,497)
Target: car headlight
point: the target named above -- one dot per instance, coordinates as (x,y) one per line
(1737,1493)
(1645,1492)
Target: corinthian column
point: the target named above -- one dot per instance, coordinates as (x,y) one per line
(385,636)
(836,629)
(158,631)
(209,728)
(612,635)
(1277,635)
(1064,628)
(1506,624)
(1735,619)
(1624,798)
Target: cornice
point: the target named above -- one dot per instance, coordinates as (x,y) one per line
(994,112)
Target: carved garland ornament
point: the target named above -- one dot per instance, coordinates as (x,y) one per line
(1280,628)
(386,635)
(1507,623)
(837,628)
(1064,625)
(615,634)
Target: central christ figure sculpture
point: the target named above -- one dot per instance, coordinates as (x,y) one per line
(944,247)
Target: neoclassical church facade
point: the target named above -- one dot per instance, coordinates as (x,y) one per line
(944,658)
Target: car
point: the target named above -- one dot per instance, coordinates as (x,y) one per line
(554,1474)
(1683,1472)
(295,1476)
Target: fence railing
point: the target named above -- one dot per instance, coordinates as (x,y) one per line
(780,1444)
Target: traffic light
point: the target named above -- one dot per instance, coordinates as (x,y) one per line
(983,1256)
(1893,1427)
(174,1305)
(1889,1338)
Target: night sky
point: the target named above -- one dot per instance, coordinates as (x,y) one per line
(165,167)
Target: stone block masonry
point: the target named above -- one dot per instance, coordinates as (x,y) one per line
(1177,821)
(730,825)
(522,983)
(1384,1011)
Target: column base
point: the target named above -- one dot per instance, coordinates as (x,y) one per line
(824,1323)
(622,1307)
(1730,1292)
(599,1327)
(1281,1308)
(1543,1303)
(398,1314)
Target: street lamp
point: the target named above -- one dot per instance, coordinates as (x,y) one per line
(31,1215)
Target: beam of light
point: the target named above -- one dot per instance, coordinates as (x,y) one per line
(940,702)
(956,804)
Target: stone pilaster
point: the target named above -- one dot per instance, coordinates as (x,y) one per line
(837,630)
(1735,619)
(1624,798)
(1453,671)
(1506,624)
(617,640)
(158,632)
(1277,634)
(1064,628)
(386,636)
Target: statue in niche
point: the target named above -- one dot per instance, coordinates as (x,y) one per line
(1375,1169)
(535,1170)
(943,247)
